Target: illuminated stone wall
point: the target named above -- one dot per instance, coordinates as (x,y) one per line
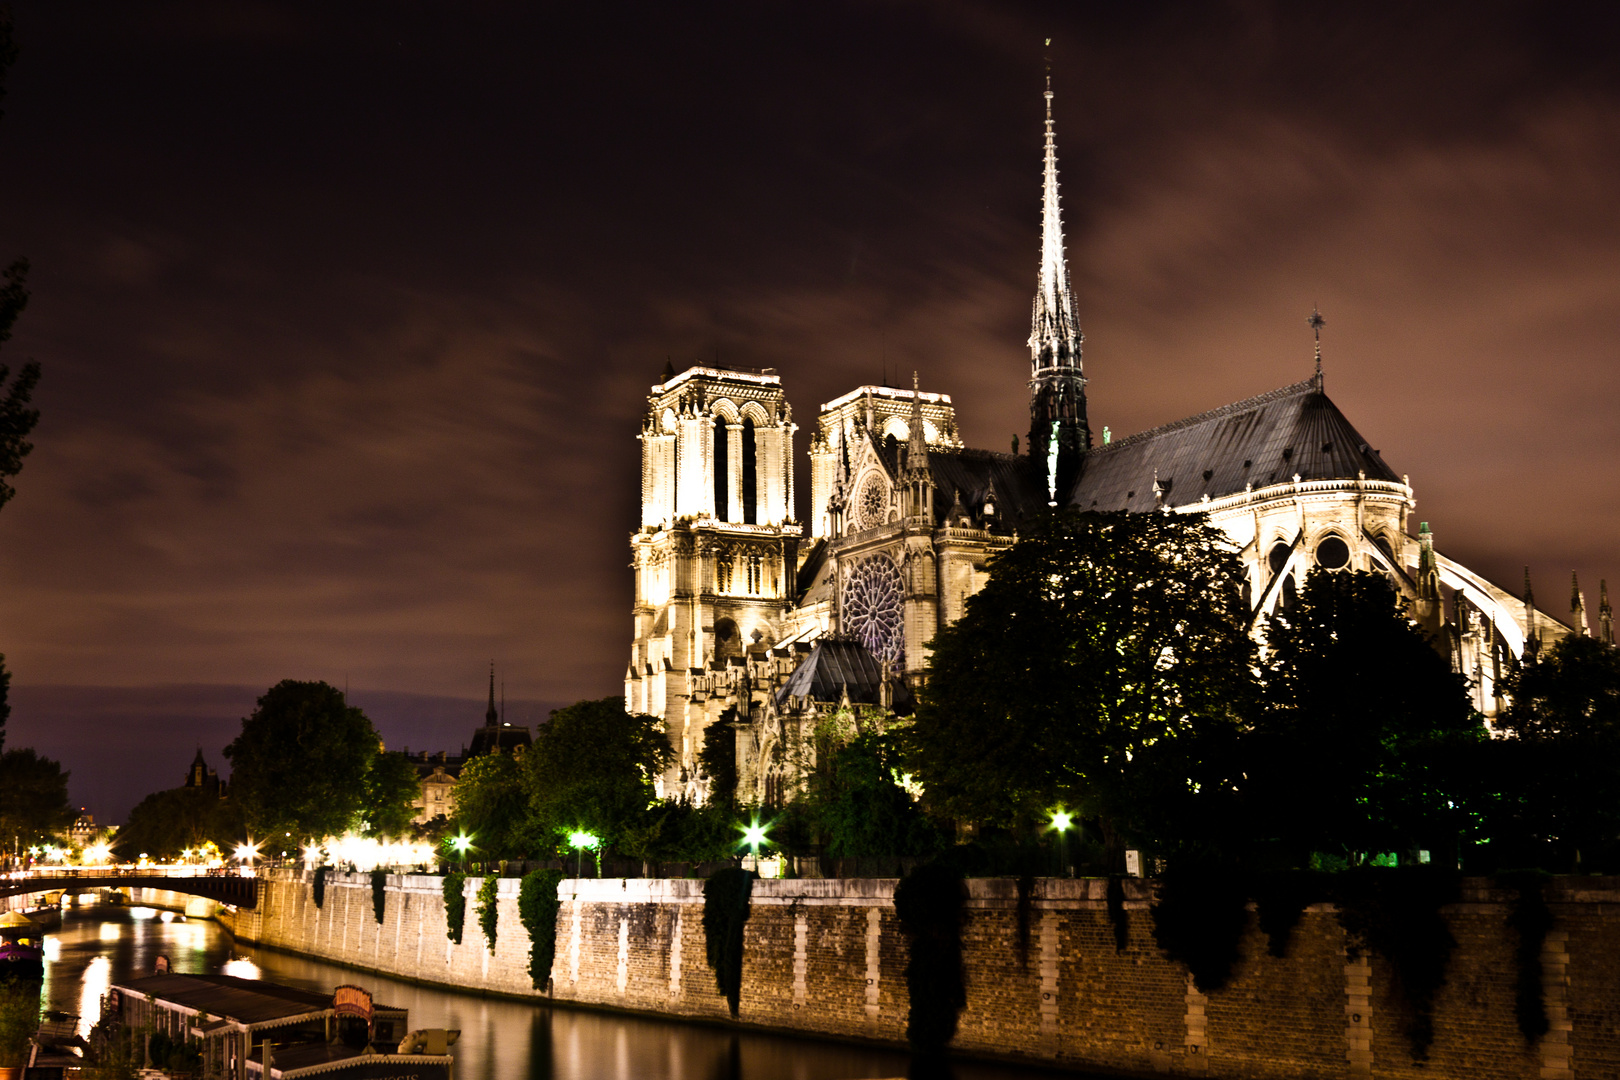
(827,957)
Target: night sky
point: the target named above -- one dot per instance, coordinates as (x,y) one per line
(348,311)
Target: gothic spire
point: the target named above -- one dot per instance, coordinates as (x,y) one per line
(917,449)
(1577,606)
(1532,640)
(1605,613)
(491,717)
(1058,432)
(1054,335)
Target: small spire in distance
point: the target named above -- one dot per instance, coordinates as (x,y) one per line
(1577,606)
(1316,322)
(1605,613)
(491,717)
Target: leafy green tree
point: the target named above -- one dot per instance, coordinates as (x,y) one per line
(34,805)
(1561,773)
(302,764)
(492,804)
(165,823)
(392,786)
(1101,646)
(857,804)
(592,767)
(1363,723)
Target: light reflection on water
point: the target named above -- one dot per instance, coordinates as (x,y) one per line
(100,944)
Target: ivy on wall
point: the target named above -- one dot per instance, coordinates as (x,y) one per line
(1530,918)
(379,893)
(726,898)
(1281,898)
(1116,913)
(1199,919)
(537,911)
(320,886)
(455,905)
(929,903)
(488,909)
(1396,914)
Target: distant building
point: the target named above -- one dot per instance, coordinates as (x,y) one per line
(201,776)
(438,772)
(83,831)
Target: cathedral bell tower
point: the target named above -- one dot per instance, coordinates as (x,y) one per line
(1058,432)
(717,550)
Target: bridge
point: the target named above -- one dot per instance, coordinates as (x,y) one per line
(225,888)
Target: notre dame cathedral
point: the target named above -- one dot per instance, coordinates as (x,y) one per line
(749,618)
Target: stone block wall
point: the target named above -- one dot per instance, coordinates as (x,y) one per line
(828,957)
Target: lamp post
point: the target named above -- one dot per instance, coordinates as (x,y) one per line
(461,842)
(580,840)
(1062,822)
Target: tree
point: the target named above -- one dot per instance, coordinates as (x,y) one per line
(166,823)
(1363,722)
(1562,778)
(857,804)
(492,804)
(1101,645)
(592,768)
(392,787)
(303,765)
(34,805)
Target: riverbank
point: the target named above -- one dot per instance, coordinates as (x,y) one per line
(1047,982)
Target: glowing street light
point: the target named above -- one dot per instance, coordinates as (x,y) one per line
(246,853)
(1062,822)
(581,841)
(754,835)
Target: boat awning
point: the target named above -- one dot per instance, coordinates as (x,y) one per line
(314,1059)
(246,1003)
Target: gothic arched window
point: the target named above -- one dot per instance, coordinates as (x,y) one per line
(750,499)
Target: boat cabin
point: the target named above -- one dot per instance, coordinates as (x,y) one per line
(248,1029)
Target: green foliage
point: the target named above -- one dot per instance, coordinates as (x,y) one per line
(718,760)
(19,1019)
(1530,919)
(165,823)
(455,906)
(592,767)
(1199,919)
(301,762)
(1281,898)
(392,786)
(1562,781)
(1102,647)
(492,803)
(857,806)
(1338,771)
(1396,913)
(379,894)
(34,805)
(929,903)
(1117,919)
(538,906)
(726,900)
(174,1056)
(488,909)
(17,419)
(320,886)
(675,829)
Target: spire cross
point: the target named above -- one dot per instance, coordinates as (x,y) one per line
(1315,321)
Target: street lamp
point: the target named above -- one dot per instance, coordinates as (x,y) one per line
(245,853)
(580,840)
(461,842)
(754,834)
(1062,822)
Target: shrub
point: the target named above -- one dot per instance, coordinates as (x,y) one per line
(929,903)
(537,910)
(379,893)
(455,905)
(726,896)
(1199,920)
(488,909)
(320,886)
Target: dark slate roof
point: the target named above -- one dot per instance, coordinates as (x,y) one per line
(835,663)
(1263,440)
(969,473)
(492,738)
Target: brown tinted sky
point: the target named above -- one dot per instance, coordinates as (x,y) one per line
(347,317)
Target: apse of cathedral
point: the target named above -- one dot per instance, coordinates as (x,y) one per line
(753,628)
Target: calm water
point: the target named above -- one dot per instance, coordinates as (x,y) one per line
(100,944)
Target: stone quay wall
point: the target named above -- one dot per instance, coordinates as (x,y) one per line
(827,957)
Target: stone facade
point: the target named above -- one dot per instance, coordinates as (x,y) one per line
(827,957)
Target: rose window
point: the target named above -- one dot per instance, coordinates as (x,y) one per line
(873,501)
(871,608)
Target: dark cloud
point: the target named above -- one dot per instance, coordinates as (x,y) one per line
(348,319)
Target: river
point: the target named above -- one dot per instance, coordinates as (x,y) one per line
(99,944)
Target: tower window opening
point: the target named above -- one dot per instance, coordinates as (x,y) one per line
(750,497)
(755,574)
(722,573)
(722,489)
